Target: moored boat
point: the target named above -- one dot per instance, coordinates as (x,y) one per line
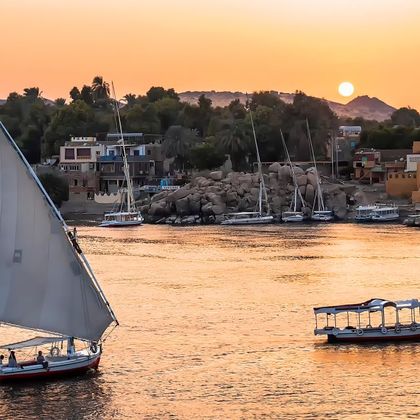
(374,320)
(247,218)
(293,214)
(377,213)
(254,217)
(126,213)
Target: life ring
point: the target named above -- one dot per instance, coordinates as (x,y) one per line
(93,347)
(384,330)
(335,331)
(397,329)
(413,326)
(368,326)
(359,331)
(55,351)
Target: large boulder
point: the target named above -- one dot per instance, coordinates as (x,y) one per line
(207,209)
(215,199)
(301,180)
(194,203)
(298,170)
(309,194)
(182,207)
(160,196)
(216,175)
(219,209)
(232,198)
(160,208)
(338,204)
(202,182)
(178,194)
(284,174)
(312,178)
(274,167)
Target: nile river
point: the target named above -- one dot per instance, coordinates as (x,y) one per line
(217,322)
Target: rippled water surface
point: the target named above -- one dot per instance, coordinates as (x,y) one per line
(217,322)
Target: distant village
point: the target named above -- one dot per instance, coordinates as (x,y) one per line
(93,167)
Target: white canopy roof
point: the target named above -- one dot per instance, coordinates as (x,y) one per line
(33,342)
(371,305)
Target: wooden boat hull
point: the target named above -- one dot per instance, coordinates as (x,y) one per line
(249,221)
(121,224)
(54,370)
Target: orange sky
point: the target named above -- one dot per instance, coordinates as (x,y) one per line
(245,45)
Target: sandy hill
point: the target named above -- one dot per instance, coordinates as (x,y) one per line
(362,106)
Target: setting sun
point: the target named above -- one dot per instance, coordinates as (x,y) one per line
(346,89)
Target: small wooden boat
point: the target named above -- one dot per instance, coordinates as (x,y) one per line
(54,364)
(390,326)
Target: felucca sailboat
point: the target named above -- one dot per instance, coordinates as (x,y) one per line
(319,212)
(46,282)
(126,213)
(293,215)
(253,217)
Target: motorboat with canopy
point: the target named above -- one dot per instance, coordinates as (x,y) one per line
(46,281)
(370,321)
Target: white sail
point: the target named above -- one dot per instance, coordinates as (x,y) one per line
(45,282)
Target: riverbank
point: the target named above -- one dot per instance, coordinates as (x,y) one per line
(209,197)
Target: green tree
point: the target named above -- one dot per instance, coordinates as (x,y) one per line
(407,117)
(56,186)
(177,143)
(206,156)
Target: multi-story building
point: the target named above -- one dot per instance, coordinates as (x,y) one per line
(93,165)
(405,182)
(79,162)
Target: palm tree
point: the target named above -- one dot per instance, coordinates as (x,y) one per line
(100,90)
(235,141)
(177,143)
(130,99)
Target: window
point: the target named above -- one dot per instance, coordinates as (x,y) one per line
(111,152)
(390,176)
(75,182)
(136,152)
(83,153)
(108,168)
(149,152)
(69,154)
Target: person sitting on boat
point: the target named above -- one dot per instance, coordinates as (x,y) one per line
(12,360)
(1,361)
(40,358)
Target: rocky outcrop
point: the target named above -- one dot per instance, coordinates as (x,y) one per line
(207,198)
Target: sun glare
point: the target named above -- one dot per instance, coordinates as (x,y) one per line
(346,89)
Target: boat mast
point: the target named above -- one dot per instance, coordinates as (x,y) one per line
(130,198)
(319,197)
(262,183)
(297,190)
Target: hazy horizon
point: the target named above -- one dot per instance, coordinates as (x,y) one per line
(219,45)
